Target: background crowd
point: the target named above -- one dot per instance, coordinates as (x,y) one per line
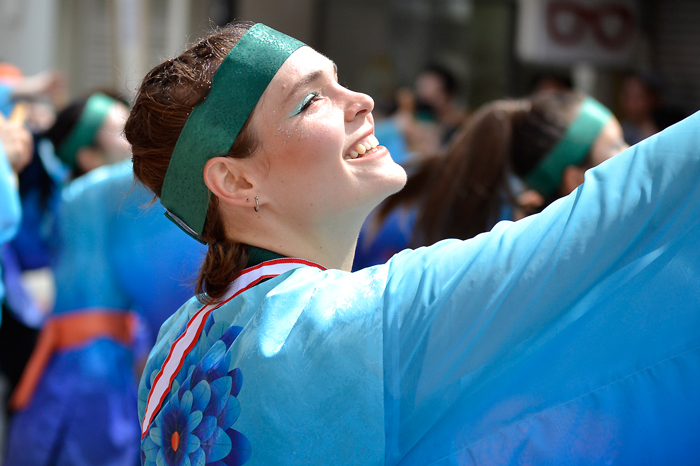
(90,266)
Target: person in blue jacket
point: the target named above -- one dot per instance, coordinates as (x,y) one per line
(568,337)
(10,210)
(76,401)
(15,153)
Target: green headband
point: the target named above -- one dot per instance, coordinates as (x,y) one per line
(214,124)
(83,133)
(572,149)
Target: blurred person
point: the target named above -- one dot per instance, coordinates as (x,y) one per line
(569,337)
(15,153)
(106,257)
(551,82)
(120,271)
(425,118)
(644,112)
(87,135)
(510,159)
(639,98)
(16,339)
(436,90)
(41,93)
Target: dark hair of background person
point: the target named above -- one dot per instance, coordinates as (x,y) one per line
(550,81)
(662,114)
(449,83)
(163,103)
(66,120)
(461,193)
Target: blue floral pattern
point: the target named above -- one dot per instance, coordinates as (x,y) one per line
(195,423)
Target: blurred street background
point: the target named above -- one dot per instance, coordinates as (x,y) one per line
(428,64)
(494,48)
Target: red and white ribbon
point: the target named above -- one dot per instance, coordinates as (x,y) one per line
(184,344)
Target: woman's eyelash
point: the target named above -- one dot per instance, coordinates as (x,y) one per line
(308,100)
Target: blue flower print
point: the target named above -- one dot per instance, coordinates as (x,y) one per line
(195,424)
(174,433)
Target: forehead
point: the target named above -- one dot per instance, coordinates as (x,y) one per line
(299,65)
(303,61)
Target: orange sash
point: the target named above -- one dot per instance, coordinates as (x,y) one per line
(62,332)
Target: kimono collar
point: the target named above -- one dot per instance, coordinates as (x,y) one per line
(259,255)
(271,266)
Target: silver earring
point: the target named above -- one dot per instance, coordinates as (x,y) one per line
(257,204)
(247,200)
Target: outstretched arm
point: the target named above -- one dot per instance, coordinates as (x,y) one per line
(602,282)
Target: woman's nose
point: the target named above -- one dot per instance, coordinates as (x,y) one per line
(358,104)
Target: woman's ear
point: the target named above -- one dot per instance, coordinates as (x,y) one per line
(571,178)
(227,178)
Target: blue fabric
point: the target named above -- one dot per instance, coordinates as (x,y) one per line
(40,183)
(18,300)
(112,253)
(570,337)
(390,136)
(10,209)
(379,242)
(6,103)
(40,193)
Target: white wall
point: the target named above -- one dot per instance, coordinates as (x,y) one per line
(294,18)
(27,33)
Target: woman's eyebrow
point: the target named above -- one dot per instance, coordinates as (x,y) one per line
(309,78)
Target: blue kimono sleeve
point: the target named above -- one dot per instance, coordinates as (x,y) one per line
(531,341)
(10,211)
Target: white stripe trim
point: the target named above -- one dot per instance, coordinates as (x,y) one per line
(247,278)
(182,346)
(178,353)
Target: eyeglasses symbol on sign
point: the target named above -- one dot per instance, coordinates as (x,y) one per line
(612,24)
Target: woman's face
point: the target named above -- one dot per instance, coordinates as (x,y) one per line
(609,143)
(309,128)
(111,139)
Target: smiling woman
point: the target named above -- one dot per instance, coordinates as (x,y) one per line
(463,352)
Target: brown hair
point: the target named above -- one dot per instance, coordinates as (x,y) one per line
(167,95)
(461,194)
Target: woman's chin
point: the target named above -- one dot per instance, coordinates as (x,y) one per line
(393,180)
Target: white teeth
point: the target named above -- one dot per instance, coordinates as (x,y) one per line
(364,147)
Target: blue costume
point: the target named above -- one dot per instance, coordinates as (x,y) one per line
(569,337)
(10,210)
(379,242)
(113,256)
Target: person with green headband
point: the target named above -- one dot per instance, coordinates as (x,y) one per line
(88,133)
(593,136)
(569,337)
(511,158)
(74,403)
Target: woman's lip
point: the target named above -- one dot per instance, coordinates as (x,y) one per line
(363,138)
(380,152)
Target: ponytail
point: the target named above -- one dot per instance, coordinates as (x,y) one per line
(224,260)
(470,188)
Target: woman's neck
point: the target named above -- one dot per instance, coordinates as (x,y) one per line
(332,244)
